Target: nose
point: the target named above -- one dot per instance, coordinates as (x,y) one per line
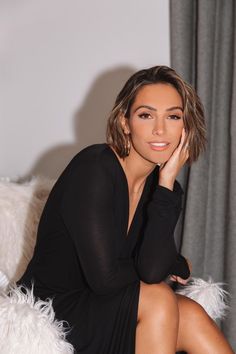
(159,127)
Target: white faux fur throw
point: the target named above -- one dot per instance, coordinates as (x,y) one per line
(29,327)
(4,281)
(211,296)
(20,210)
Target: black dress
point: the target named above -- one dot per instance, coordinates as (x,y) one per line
(84,260)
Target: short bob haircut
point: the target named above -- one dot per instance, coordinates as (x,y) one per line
(193,113)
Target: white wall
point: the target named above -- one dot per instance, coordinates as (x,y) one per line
(61,65)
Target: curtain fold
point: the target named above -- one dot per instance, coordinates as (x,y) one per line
(203,53)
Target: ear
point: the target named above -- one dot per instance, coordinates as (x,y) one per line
(124,124)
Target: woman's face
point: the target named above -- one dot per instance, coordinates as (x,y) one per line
(156,122)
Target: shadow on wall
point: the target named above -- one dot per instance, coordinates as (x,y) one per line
(89,123)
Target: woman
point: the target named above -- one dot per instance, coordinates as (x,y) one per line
(105,240)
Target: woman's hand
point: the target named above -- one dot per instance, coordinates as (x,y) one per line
(179,279)
(169,170)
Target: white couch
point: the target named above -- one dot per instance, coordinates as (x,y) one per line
(27,326)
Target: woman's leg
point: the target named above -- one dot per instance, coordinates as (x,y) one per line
(158,320)
(198,333)
(168,322)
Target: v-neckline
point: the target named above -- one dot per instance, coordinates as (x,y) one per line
(127,194)
(136,209)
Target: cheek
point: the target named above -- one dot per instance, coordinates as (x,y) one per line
(138,129)
(177,133)
(177,140)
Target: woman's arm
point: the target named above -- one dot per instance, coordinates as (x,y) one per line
(158,256)
(87,210)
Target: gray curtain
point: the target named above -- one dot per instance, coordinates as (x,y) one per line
(203,52)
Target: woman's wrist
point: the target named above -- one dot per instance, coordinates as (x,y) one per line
(167,183)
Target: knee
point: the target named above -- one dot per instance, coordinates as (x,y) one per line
(158,302)
(191,312)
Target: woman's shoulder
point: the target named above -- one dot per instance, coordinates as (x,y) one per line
(93,153)
(93,165)
(95,157)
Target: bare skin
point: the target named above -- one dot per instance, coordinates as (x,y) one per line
(166,322)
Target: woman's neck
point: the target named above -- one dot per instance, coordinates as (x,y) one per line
(136,169)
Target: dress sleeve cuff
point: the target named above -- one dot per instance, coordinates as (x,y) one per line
(180,267)
(166,195)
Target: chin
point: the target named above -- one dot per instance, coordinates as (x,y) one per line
(162,158)
(155,160)
(155,157)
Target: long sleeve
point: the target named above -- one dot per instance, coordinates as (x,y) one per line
(158,256)
(87,209)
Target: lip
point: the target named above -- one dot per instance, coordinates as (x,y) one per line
(163,145)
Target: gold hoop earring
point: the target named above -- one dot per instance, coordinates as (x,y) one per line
(127,145)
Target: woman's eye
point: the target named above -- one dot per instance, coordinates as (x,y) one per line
(175,117)
(145,115)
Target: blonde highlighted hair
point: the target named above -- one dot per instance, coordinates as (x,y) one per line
(193,113)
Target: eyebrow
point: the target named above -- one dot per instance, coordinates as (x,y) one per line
(145,106)
(154,109)
(174,107)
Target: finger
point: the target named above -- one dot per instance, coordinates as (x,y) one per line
(179,280)
(183,147)
(182,281)
(178,149)
(186,147)
(186,144)
(173,277)
(185,151)
(182,139)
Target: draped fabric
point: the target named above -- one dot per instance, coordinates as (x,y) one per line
(203,53)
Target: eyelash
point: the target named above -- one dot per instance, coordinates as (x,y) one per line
(176,117)
(144,115)
(148,115)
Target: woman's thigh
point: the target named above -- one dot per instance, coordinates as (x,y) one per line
(158,319)
(156,300)
(198,333)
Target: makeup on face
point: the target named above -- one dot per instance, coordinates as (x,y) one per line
(156,122)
